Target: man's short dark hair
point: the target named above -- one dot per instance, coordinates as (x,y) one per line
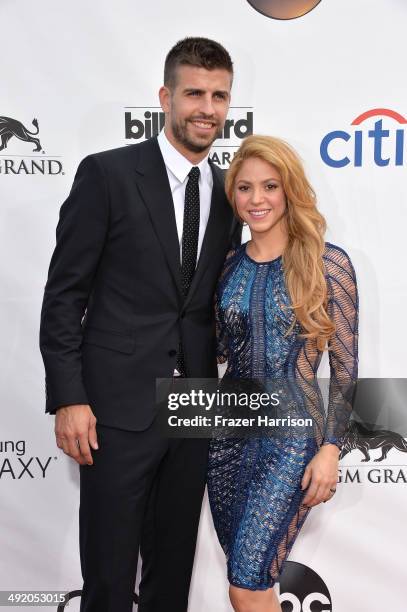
(200,52)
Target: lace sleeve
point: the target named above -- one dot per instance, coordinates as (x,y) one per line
(343,346)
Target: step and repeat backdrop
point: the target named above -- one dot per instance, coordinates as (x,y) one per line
(328,76)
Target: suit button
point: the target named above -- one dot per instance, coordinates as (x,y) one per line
(182,315)
(172,353)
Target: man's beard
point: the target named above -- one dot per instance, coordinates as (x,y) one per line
(180,133)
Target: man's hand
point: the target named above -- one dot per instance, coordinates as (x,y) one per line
(75,429)
(321,475)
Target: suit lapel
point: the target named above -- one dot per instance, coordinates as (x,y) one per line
(155,191)
(219,218)
(154,188)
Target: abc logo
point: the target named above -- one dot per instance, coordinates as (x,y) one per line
(302,590)
(284,9)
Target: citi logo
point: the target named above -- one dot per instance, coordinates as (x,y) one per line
(383,146)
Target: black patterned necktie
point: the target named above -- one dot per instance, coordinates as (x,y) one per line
(190,233)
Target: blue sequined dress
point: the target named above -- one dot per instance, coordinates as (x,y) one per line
(254,484)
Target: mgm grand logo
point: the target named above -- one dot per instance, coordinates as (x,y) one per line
(141,123)
(16,132)
(367,440)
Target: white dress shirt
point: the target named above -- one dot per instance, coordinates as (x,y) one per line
(178,168)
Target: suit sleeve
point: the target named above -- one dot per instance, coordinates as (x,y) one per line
(80,238)
(236,236)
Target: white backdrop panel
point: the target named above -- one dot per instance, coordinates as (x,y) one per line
(76,66)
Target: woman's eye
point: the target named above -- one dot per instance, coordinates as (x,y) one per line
(243,188)
(271,186)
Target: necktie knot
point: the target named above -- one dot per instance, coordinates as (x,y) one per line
(194,173)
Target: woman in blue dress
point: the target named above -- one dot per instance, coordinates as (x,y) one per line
(283,298)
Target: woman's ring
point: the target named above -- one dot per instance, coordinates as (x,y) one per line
(333,490)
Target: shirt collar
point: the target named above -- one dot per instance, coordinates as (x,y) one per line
(179,165)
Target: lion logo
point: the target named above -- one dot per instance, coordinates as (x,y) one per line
(11,127)
(360,437)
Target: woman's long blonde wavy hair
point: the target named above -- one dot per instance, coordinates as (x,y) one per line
(302,257)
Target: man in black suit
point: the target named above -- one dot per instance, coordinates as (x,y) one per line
(141,241)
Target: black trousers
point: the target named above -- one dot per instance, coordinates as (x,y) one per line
(143,492)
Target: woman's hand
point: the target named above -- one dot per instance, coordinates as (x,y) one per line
(321,475)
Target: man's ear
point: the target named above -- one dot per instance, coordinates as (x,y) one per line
(164,95)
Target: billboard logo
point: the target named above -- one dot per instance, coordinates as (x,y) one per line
(284,9)
(341,148)
(144,125)
(141,123)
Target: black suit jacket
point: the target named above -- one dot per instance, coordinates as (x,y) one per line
(113,312)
